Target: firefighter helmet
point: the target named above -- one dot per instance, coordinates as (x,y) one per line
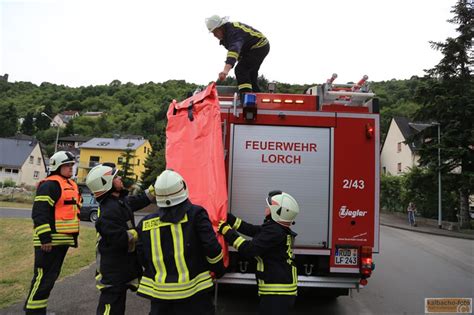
(283,207)
(100,179)
(215,21)
(60,158)
(170,189)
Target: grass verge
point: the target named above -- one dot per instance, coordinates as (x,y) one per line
(12,204)
(16,256)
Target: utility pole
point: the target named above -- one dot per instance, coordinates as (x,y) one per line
(57,132)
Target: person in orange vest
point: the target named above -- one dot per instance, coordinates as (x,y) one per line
(55,217)
(245,46)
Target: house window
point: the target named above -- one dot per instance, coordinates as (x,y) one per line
(36,174)
(120,161)
(93,161)
(384,170)
(31,159)
(8,170)
(38,161)
(399,167)
(14,171)
(138,161)
(399,147)
(144,149)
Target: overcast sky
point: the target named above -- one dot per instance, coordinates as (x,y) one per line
(87,42)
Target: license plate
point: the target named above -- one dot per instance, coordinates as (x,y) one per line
(346,256)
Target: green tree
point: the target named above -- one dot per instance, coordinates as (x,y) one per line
(154,165)
(28,127)
(127,168)
(69,130)
(42,122)
(8,121)
(447,97)
(390,196)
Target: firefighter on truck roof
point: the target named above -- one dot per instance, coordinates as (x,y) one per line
(55,217)
(246,46)
(271,246)
(178,249)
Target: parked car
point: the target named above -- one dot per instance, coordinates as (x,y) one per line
(89,209)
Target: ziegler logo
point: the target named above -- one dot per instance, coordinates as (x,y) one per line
(344,212)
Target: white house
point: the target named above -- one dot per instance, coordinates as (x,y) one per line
(397,154)
(22,161)
(62,119)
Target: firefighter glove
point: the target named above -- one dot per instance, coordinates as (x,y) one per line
(132,239)
(224,227)
(151,192)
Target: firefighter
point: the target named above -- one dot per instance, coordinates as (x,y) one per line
(271,246)
(178,250)
(55,217)
(118,268)
(244,44)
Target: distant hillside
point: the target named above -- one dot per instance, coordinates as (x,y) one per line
(141,109)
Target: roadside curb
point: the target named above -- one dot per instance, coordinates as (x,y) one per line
(457,235)
(28,209)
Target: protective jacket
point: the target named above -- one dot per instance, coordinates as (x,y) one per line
(56,211)
(271,246)
(117,262)
(239,39)
(178,249)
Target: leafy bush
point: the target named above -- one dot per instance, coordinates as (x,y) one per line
(8,183)
(420,186)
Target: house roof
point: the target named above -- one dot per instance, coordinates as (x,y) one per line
(15,151)
(21,136)
(113,144)
(408,128)
(75,138)
(70,112)
(93,113)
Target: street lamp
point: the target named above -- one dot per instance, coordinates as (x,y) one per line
(57,133)
(439,172)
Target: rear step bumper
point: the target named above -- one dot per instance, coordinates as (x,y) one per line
(303,281)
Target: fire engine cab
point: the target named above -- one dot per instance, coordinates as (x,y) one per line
(322,147)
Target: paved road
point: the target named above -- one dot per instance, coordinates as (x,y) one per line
(26,213)
(411,267)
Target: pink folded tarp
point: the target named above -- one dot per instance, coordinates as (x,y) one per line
(194,149)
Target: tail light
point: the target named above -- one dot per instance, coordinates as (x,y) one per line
(369,131)
(366,263)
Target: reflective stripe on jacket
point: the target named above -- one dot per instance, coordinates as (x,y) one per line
(271,246)
(66,214)
(178,255)
(239,39)
(55,212)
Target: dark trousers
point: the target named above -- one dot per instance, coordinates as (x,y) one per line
(276,304)
(197,304)
(46,271)
(112,301)
(247,68)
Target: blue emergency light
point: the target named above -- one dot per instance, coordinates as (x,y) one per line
(250,106)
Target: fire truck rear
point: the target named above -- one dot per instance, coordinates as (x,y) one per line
(322,147)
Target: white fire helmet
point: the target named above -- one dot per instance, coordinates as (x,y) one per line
(60,158)
(100,179)
(170,189)
(283,207)
(215,21)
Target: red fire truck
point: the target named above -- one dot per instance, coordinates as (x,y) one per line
(322,147)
